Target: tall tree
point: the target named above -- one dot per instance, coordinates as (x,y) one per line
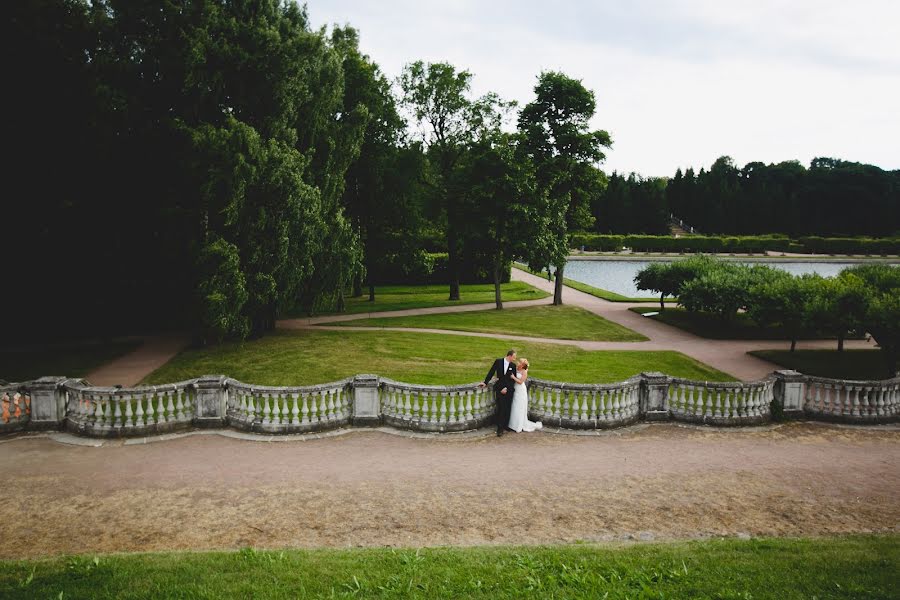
(556,133)
(449,118)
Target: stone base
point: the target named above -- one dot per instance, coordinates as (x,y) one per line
(208,422)
(366,421)
(794,414)
(657,415)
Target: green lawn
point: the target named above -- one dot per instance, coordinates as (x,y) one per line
(560,322)
(71,360)
(710,326)
(306,357)
(778,569)
(593,291)
(400,297)
(849,364)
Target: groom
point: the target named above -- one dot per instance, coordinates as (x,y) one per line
(504,368)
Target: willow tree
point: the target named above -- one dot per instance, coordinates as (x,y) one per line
(556,135)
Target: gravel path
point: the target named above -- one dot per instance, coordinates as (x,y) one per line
(368,488)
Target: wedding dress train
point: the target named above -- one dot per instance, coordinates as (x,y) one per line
(518,416)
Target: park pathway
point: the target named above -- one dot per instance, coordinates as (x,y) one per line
(131,368)
(729,356)
(368,488)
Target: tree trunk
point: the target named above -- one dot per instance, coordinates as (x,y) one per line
(452,263)
(371,292)
(341,305)
(662,302)
(357,285)
(840,342)
(558,287)
(497,299)
(793,344)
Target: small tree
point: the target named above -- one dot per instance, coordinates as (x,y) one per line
(784,302)
(721,291)
(882,321)
(660,278)
(840,305)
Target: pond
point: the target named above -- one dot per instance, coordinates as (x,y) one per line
(618,275)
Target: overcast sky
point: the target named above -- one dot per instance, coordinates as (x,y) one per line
(678,82)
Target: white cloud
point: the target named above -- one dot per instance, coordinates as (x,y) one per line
(678,83)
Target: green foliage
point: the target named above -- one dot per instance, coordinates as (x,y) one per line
(631,204)
(557,139)
(832,197)
(839,305)
(221,293)
(784,302)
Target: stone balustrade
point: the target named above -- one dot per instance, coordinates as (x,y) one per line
(369,400)
(731,403)
(270,409)
(584,406)
(436,407)
(851,401)
(117,412)
(15,407)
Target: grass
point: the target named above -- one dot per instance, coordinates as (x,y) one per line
(849,364)
(589,289)
(71,360)
(780,569)
(402,297)
(305,357)
(560,322)
(710,326)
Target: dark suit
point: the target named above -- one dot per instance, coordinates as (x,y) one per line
(504,401)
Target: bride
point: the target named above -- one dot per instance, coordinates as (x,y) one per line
(518,416)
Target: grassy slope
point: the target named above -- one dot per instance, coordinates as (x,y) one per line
(560,322)
(71,360)
(849,364)
(589,289)
(401,297)
(306,357)
(840,568)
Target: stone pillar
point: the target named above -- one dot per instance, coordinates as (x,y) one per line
(209,403)
(48,403)
(366,404)
(788,391)
(654,392)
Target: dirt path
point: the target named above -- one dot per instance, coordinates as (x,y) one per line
(369,488)
(130,369)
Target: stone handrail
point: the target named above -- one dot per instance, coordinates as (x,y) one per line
(299,409)
(369,400)
(730,403)
(851,401)
(436,407)
(584,406)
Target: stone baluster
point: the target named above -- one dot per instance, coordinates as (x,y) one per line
(295,409)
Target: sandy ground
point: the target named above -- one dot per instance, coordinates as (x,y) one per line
(372,489)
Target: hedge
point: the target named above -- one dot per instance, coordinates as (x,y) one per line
(735,244)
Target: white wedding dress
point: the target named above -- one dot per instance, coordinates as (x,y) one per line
(518,414)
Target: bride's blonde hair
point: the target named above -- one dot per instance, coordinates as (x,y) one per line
(524,363)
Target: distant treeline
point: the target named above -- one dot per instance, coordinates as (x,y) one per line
(830,198)
(736,244)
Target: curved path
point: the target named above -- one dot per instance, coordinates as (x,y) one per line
(729,356)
